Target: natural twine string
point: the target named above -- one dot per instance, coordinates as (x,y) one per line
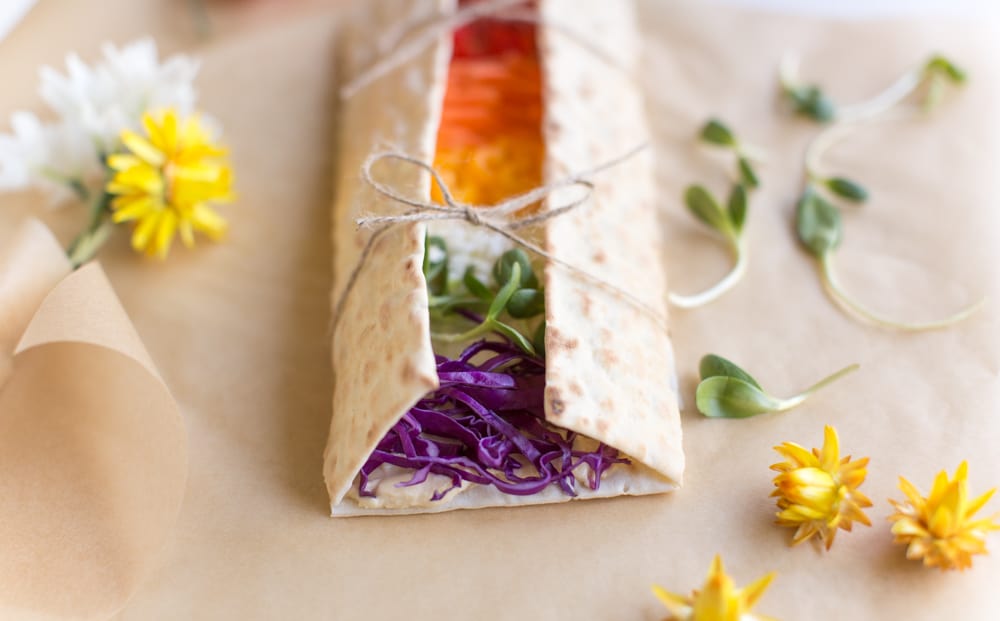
(427,30)
(500,218)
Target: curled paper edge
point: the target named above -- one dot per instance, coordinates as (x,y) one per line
(93,458)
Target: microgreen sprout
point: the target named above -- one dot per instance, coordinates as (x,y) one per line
(516,293)
(727,391)
(810,101)
(806,100)
(818,220)
(727,222)
(820,230)
(715,132)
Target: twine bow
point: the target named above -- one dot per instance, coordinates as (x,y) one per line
(500,218)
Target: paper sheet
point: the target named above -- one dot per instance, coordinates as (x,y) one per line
(239,333)
(92,455)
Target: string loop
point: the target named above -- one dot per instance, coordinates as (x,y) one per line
(501,218)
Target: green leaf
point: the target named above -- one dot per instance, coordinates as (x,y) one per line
(712,365)
(706,209)
(436,270)
(810,101)
(845,188)
(538,340)
(503,267)
(475,286)
(732,397)
(941,65)
(505,293)
(526,303)
(817,223)
(715,132)
(737,207)
(748,176)
(511,333)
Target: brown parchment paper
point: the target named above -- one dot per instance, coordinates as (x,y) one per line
(239,333)
(92,456)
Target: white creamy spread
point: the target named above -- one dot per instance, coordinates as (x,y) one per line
(390,496)
(469,245)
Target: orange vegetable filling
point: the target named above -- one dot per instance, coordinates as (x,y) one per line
(489,144)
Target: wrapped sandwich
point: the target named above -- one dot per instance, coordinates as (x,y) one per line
(469,371)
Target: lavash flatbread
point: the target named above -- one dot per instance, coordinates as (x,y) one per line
(609,370)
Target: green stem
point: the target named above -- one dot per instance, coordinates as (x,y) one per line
(839,295)
(97,231)
(739,252)
(791,402)
(468,335)
(203,26)
(895,93)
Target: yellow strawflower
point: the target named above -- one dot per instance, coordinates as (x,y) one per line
(939,528)
(718,599)
(167,182)
(818,491)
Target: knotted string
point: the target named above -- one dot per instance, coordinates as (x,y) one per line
(424,31)
(500,218)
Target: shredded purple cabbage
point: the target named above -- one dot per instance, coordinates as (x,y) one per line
(485,424)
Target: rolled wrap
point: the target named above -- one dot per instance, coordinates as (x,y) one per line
(610,369)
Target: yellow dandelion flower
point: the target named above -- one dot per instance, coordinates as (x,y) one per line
(818,491)
(939,528)
(718,599)
(167,181)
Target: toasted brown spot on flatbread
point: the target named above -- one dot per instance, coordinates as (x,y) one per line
(609,358)
(599,256)
(603,426)
(554,339)
(586,304)
(576,388)
(556,404)
(409,372)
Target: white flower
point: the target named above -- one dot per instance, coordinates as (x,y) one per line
(53,156)
(93,104)
(113,95)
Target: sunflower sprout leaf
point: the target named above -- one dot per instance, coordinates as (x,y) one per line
(818,224)
(538,340)
(435,265)
(705,208)
(748,176)
(504,265)
(732,397)
(526,303)
(716,132)
(475,286)
(845,188)
(737,207)
(942,66)
(713,365)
